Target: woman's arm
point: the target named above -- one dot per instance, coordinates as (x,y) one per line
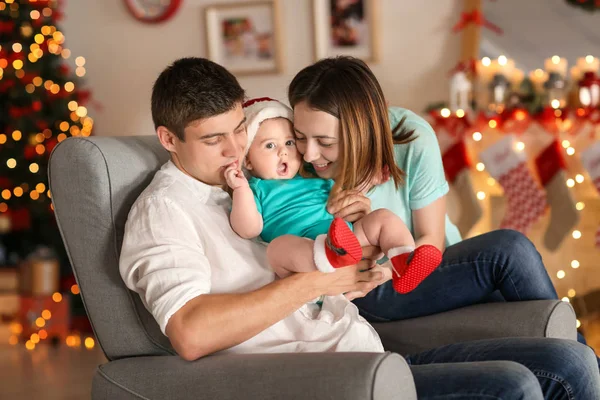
(245,219)
(429,224)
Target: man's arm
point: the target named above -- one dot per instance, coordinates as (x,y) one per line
(212,322)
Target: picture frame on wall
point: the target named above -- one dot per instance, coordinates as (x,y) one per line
(245,37)
(346,27)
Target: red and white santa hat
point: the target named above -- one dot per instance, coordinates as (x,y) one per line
(260,109)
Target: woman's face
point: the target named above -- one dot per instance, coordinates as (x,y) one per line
(317,139)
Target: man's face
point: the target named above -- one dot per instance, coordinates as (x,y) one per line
(211,145)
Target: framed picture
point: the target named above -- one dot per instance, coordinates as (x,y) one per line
(245,37)
(346,27)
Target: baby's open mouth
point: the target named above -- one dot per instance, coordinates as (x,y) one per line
(282,169)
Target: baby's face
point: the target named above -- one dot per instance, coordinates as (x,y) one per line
(273,153)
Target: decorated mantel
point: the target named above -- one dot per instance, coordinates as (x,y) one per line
(521,150)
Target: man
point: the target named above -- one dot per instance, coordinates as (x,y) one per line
(212,291)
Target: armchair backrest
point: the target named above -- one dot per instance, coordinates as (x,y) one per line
(94,182)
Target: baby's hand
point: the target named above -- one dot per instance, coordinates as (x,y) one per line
(235,178)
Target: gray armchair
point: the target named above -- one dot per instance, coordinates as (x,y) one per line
(94,182)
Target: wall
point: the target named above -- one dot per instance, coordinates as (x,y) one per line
(124,56)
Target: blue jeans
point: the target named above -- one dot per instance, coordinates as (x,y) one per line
(502,261)
(511,368)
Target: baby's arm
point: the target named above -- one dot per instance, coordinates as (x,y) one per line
(245,219)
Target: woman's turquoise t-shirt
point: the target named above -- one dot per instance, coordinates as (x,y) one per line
(424,181)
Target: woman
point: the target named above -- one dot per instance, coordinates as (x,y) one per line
(343,130)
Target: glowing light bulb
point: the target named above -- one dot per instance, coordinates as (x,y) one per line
(477,136)
(560,274)
(575,264)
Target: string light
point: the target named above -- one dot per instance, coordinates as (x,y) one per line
(477,136)
(17,135)
(17,64)
(520,146)
(492,124)
(34,168)
(6,194)
(576,234)
(80,71)
(570,151)
(56,297)
(35,338)
(89,343)
(69,87)
(566,300)
(3,138)
(560,274)
(46,314)
(571,293)
(75,289)
(579,178)
(34,195)
(18,191)
(555,103)
(574,264)
(39,38)
(460,113)
(13,340)
(578,324)
(29,345)
(580,205)
(43,334)
(11,163)
(566,144)
(41,188)
(555,59)
(481,195)
(486,62)
(570,183)
(502,60)
(589,59)
(480,166)
(40,322)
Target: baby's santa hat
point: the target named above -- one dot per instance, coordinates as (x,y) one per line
(260,109)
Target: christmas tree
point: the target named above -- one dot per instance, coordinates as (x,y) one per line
(42,104)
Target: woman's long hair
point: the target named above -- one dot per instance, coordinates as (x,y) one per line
(346,88)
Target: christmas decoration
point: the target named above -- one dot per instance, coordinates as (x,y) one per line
(564,217)
(526,200)
(43,104)
(591,161)
(587,5)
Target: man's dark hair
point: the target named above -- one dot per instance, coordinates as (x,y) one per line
(190,89)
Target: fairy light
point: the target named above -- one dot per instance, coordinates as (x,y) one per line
(566,300)
(502,60)
(18,191)
(477,136)
(520,146)
(491,181)
(555,103)
(6,194)
(560,274)
(75,289)
(46,314)
(580,205)
(69,87)
(89,343)
(444,112)
(579,178)
(574,264)
(481,195)
(11,163)
(17,135)
(486,62)
(570,183)
(460,113)
(43,334)
(492,124)
(41,188)
(555,60)
(80,71)
(64,126)
(57,297)
(61,137)
(17,64)
(480,166)
(34,195)
(34,168)
(578,324)
(566,143)
(29,345)
(589,59)
(571,293)
(35,338)
(40,322)
(576,234)
(39,38)
(13,340)
(570,151)
(3,138)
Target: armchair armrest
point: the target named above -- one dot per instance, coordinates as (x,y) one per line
(290,376)
(540,318)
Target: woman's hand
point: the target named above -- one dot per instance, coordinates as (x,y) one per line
(350,205)
(383,273)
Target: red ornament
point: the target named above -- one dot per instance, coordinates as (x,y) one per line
(29,152)
(50,144)
(20,219)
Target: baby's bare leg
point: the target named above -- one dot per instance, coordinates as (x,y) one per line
(383,228)
(288,254)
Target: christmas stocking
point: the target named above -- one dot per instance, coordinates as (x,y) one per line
(564,217)
(457,167)
(526,200)
(591,162)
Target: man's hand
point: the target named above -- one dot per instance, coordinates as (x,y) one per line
(235,178)
(370,255)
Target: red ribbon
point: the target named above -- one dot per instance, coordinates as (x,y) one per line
(477,18)
(550,162)
(455,159)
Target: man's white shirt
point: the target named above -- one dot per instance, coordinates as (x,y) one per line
(179,244)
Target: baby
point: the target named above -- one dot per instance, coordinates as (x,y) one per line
(280,205)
